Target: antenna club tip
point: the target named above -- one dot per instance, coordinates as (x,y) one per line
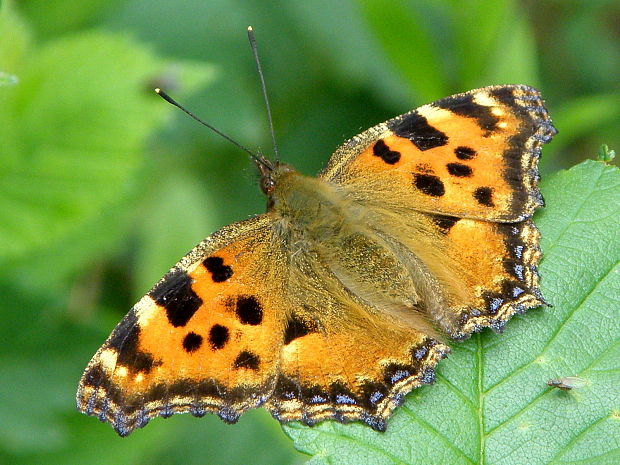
(157,90)
(250,29)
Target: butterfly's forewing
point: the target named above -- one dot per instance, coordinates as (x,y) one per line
(463,171)
(471,155)
(206,338)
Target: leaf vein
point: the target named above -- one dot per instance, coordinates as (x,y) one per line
(363,445)
(456,390)
(575,438)
(438,434)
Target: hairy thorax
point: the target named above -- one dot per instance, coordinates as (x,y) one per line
(355,247)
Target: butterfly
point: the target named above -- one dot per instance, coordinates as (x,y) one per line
(336,302)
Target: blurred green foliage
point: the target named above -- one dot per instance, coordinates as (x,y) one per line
(103,186)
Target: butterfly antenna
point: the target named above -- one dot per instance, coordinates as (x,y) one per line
(252,40)
(172,101)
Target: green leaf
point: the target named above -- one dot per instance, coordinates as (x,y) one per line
(494,22)
(583,116)
(407,41)
(14,38)
(491,403)
(61,169)
(51,18)
(513,58)
(605,154)
(167,232)
(73,131)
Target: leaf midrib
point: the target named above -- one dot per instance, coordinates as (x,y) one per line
(437,434)
(481,394)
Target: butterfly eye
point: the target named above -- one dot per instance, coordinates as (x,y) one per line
(267,184)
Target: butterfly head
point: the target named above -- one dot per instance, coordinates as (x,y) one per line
(270,173)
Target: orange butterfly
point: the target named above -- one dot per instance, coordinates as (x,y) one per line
(331,304)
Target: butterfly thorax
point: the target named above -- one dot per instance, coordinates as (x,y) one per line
(319,221)
(309,204)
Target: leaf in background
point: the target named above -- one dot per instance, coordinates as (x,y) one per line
(477,30)
(75,129)
(11,26)
(40,363)
(581,117)
(175,221)
(71,153)
(7,79)
(72,131)
(51,18)
(491,403)
(408,44)
(256,439)
(513,56)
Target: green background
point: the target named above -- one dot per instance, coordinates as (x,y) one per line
(103,186)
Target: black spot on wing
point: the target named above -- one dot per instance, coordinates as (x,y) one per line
(464,105)
(249,310)
(297,328)
(141,362)
(459,170)
(192,342)
(505,95)
(484,196)
(372,393)
(314,395)
(444,222)
(380,149)
(219,271)
(429,184)
(515,269)
(124,340)
(464,153)
(175,294)
(94,377)
(218,336)
(512,289)
(415,127)
(247,360)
